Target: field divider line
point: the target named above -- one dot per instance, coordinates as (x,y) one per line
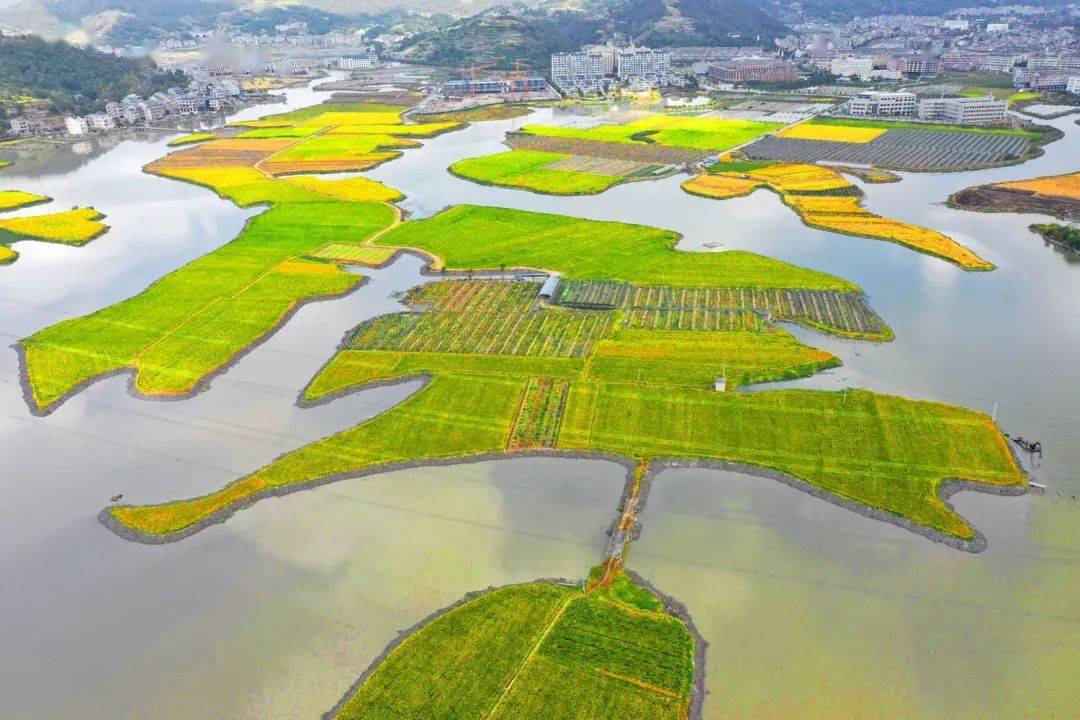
(640,683)
(532,653)
(211,304)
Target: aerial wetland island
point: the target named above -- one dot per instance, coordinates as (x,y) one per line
(542,326)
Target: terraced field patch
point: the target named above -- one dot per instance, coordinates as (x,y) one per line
(355,254)
(538,420)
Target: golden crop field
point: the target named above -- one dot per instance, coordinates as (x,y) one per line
(14,199)
(71,227)
(824,199)
(720,186)
(832,133)
(1067,186)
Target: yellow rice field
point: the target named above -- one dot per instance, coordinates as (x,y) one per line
(358,254)
(838,213)
(71,227)
(720,186)
(1067,186)
(846,215)
(833,133)
(355,188)
(800,177)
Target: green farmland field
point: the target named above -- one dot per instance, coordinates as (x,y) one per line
(563,655)
(526,169)
(641,394)
(192,321)
(473,237)
(699,133)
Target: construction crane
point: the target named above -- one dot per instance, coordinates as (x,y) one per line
(472,73)
(517,79)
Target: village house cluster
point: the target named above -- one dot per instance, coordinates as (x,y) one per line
(200,97)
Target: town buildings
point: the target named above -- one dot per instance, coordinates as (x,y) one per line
(597,69)
(743,70)
(872,102)
(964,111)
(852,66)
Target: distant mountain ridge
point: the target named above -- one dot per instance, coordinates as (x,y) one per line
(502,35)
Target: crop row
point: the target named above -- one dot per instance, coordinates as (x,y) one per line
(524,333)
(693,318)
(846,312)
(642,153)
(495,296)
(538,420)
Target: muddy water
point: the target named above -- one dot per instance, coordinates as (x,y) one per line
(810,611)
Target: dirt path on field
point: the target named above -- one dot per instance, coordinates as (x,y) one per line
(528,658)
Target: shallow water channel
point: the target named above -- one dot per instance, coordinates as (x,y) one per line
(810,610)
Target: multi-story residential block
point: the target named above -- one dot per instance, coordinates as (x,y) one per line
(873,102)
(918,66)
(100,121)
(652,67)
(23,127)
(114,110)
(851,66)
(742,70)
(1073,85)
(578,72)
(77,125)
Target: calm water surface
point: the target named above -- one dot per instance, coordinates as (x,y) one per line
(810,611)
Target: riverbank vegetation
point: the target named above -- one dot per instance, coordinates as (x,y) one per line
(536,650)
(1064,235)
(824,199)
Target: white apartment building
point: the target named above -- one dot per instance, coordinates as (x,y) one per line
(849,66)
(77,125)
(956,24)
(964,111)
(873,102)
(578,72)
(997,27)
(653,67)
(101,121)
(1073,85)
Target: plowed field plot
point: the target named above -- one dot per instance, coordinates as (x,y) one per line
(537,423)
(633,152)
(845,313)
(900,149)
(485,330)
(601,166)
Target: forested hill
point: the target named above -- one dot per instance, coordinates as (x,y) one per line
(501,35)
(74,79)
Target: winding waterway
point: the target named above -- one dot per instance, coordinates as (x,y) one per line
(810,610)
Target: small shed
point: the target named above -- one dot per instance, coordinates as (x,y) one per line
(547,290)
(721,383)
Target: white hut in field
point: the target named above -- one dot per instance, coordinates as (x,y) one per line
(721,383)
